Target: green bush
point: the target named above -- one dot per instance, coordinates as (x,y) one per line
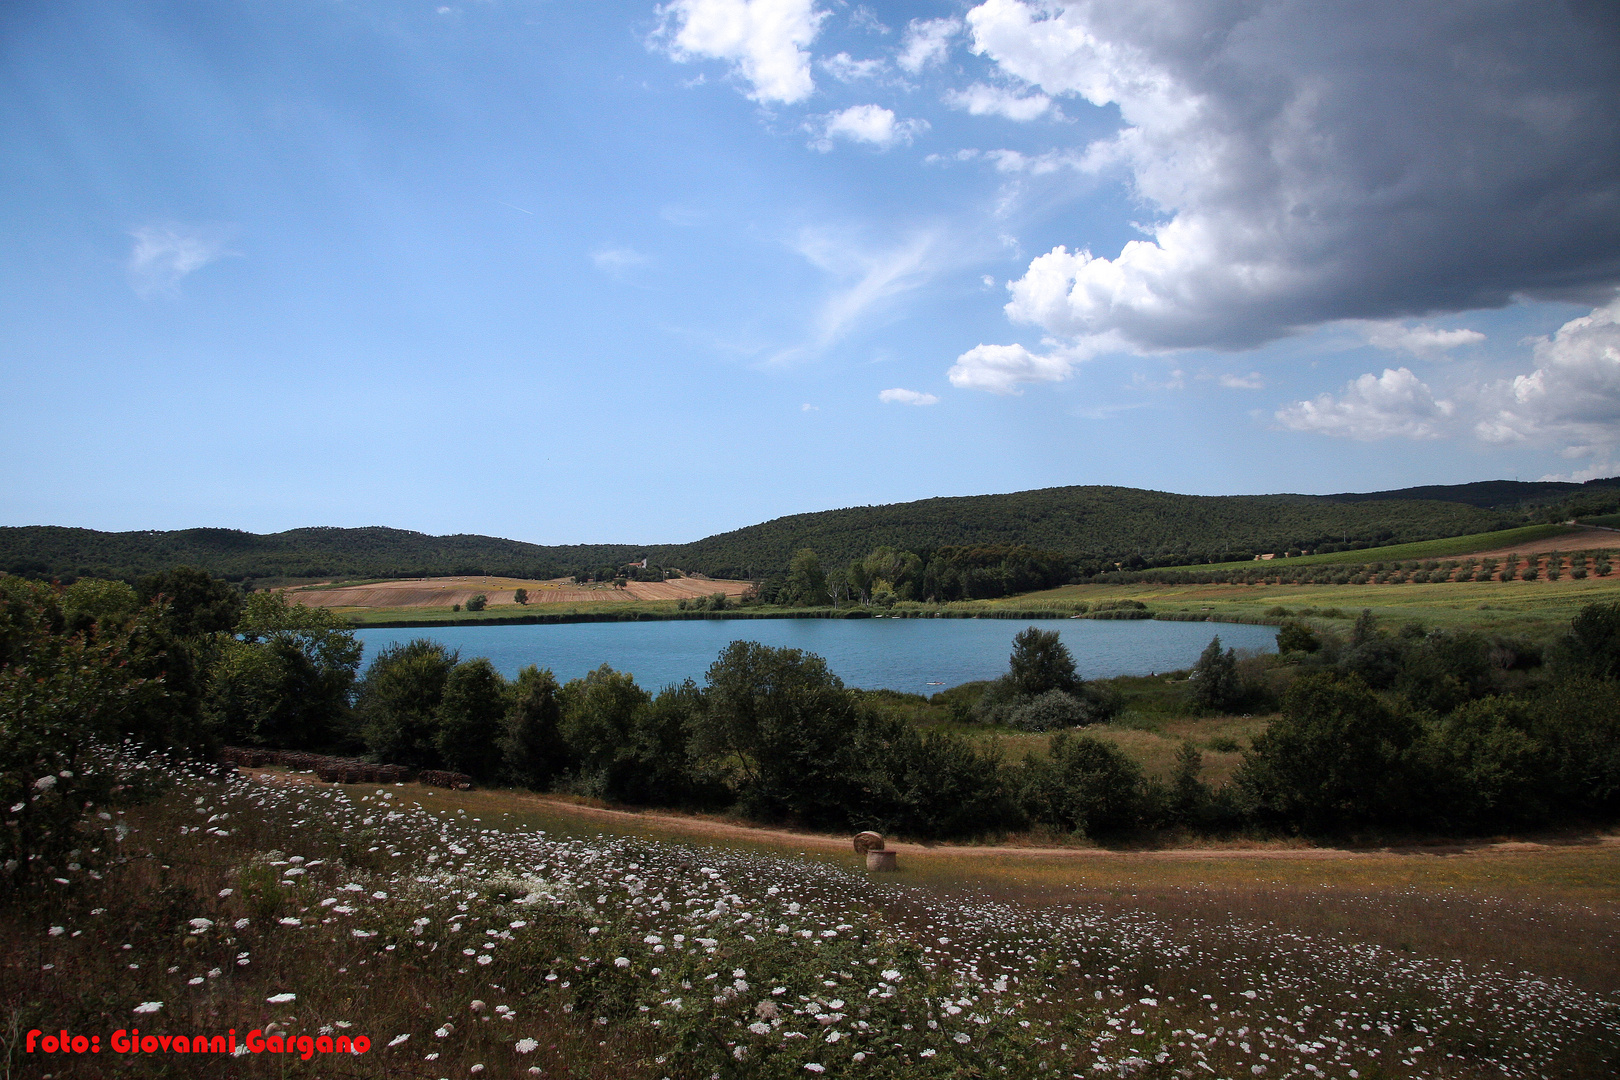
(1336,759)
(1084,786)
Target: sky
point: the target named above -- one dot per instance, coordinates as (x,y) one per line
(621,271)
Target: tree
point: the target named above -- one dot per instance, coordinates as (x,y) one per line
(520,596)
(1296,636)
(287,681)
(1592,646)
(531,743)
(1084,785)
(806,581)
(782,726)
(1336,759)
(598,715)
(59,692)
(105,605)
(477,603)
(1041,662)
(1214,681)
(468,719)
(397,700)
(198,604)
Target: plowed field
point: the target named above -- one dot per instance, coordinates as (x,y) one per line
(444,592)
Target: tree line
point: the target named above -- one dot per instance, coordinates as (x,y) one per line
(1393,729)
(1553,565)
(1098,528)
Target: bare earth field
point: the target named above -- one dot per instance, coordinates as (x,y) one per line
(1585,540)
(443,592)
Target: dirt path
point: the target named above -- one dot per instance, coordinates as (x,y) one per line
(722,830)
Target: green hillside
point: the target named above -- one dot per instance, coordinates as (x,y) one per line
(44,550)
(1101,524)
(1091,528)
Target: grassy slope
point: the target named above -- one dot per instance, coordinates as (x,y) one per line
(1445,548)
(1534,609)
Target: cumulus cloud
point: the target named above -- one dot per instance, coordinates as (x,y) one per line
(164,255)
(765,41)
(1306,163)
(1573,395)
(980,99)
(870,124)
(1373,407)
(1251,381)
(1001,369)
(926,41)
(898,396)
(846,68)
(1423,340)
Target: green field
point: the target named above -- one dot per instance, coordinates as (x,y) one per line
(1446,548)
(1539,610)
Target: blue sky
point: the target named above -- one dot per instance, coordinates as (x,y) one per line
(616,271)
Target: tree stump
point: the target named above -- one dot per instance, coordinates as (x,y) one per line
(880,861)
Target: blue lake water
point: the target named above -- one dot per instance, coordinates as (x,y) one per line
(918,656)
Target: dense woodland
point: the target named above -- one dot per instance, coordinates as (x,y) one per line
(1383,728)
(1093,528)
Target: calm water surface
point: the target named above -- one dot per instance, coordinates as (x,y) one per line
(917,656)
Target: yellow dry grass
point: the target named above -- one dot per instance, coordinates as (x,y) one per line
(500,591)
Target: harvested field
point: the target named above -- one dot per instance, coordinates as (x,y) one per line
(1585,540)
(444,592)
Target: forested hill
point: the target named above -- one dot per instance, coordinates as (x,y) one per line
(44,550)
(1090,526)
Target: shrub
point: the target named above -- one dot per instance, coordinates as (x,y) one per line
(477,603)
(1085,786)
(1049,711)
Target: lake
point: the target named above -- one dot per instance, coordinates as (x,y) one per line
(918,656)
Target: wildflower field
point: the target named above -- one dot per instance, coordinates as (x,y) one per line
(292,913)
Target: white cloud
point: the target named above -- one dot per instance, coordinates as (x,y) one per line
(616,260)
(1251,381)
(1573,396)
(926,41)
(898,396)
(845,68)
(862,18)
(807,407)
(980,99)
(764,40)
(1015,161)
(1373,407)
(164,255)
(1000,369)
(1423,340)
(869,279)
(1308,163)
(870,124)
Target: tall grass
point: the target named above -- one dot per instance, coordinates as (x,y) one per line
(460,948)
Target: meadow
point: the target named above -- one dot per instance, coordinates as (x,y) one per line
(513,941)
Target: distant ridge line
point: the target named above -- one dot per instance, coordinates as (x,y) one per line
(1093,526)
